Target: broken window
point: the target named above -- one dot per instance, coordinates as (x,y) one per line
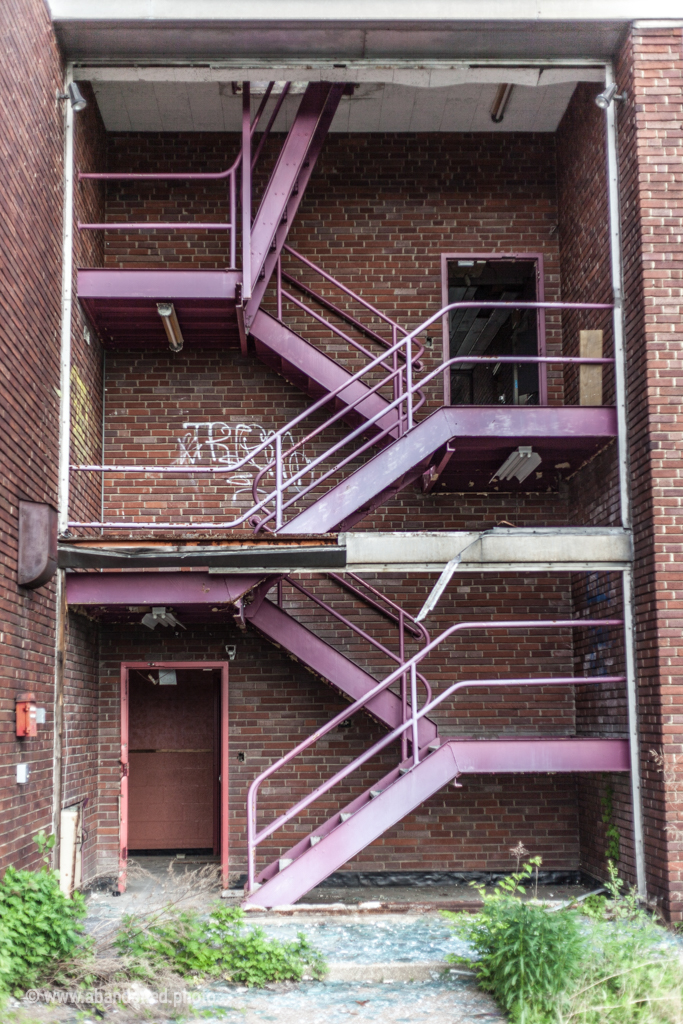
(487,331)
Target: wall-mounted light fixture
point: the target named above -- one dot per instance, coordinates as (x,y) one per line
(520,463)
(75,97)
(500,102)
(159,616)
(604,98)
(166,311)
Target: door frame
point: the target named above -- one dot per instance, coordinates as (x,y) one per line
(527,257)
(224,801)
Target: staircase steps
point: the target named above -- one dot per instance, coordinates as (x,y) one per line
(361,822)
(335,668)
(316,374)
(401,791)
(472,431)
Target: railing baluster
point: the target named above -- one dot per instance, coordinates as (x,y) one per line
(413,701)
(409,383)
(278,287)
(404,684)
(278,480)
(233,222)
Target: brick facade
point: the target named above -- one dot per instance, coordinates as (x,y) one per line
(30,238)
(379,212)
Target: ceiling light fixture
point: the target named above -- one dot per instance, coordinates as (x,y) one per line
(499,105)
(604,98)
(520,463)
(75,97)
(159,615)
(166,311)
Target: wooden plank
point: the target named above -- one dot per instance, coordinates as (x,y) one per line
(590,377)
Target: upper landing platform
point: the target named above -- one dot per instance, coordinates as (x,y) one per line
(122,305)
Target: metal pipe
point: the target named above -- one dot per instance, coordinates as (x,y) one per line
(404,684)
(414,715)
(67,306)
(278,287)
(278,481)
(156,226)
(618,328)
(618,307)
(633,729)
(233,222)
(246,192)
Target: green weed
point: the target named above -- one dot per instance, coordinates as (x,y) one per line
(220,947)
(40,927)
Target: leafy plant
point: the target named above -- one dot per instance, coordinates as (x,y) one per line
(217,947)
(39,925)
(612,836)
(632,975)
(523,955)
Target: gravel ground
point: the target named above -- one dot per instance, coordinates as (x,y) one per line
(386,946)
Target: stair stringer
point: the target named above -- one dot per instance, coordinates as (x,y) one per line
(302,359)
(346,839)
(406,787)
(403,460)
(331,665)
(287,184)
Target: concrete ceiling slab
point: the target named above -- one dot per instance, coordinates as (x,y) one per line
(150,106)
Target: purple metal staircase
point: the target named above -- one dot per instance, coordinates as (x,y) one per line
(287,185)
(283,630)
(414,779)
(478,437)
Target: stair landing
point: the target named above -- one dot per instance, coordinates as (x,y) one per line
(122,306)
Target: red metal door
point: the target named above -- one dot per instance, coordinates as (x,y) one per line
(191,723)
(173,761)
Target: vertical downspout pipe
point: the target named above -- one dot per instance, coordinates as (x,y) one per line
(63,468)
(624,476)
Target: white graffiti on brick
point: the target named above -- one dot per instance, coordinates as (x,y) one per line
(217,442)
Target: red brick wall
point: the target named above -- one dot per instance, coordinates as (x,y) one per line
(81,727)
(394,214)
(651,148)
(31,228)
(593,492)
(30,284)
(379,212)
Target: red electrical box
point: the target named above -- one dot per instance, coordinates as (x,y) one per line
(27,716)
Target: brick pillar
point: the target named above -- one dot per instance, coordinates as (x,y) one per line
(650,68)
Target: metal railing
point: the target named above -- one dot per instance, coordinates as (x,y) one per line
(275,503)
(230,174)
(396,377)
(410,724)
(405,622)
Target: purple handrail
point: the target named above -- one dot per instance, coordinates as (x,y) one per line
(186,175)
(356,629)
(229,174)
(276,438)
(254,837)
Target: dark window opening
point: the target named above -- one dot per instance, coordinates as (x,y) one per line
(493,332)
